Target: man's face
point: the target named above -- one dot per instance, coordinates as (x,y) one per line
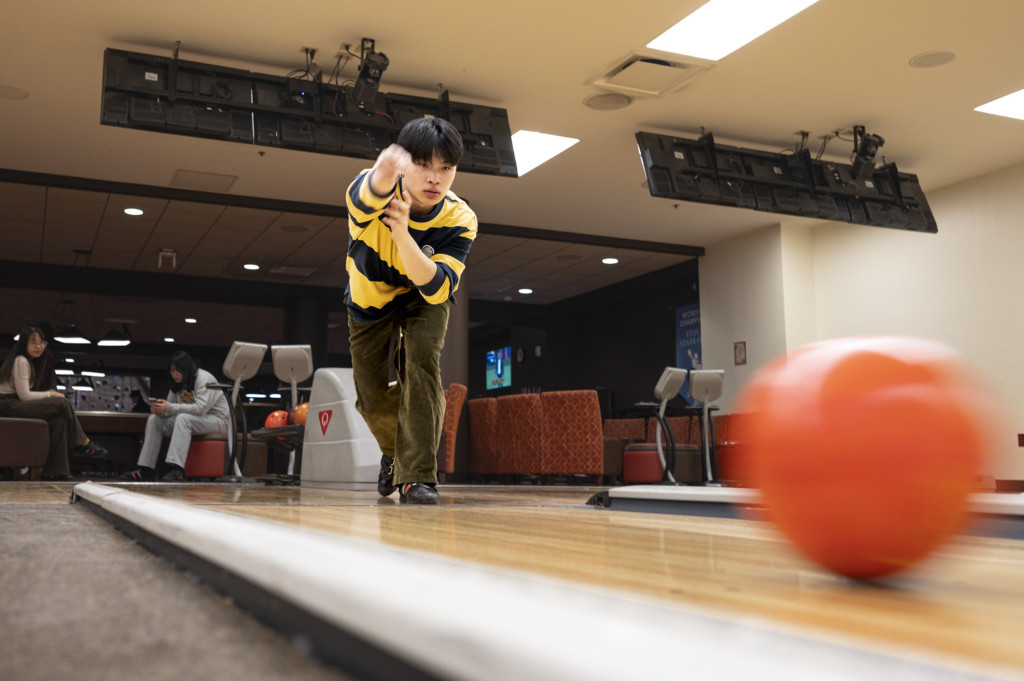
(426,184)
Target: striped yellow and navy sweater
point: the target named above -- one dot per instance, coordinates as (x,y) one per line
(377,279)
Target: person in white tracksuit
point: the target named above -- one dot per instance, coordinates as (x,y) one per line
(192,407)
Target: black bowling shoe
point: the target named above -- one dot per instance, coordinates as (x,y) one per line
(386,479)
(418,493)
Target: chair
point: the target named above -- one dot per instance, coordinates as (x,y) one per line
(242,363)
(483,435)
(292,365)
(26,442)
(454,398)
(669,384)
(519,428)
(705,387)
(571,439)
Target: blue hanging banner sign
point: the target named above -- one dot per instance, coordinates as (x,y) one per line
(688,350)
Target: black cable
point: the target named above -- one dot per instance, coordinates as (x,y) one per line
(824,143)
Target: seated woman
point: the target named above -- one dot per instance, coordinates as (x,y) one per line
(191,407)
(17,399)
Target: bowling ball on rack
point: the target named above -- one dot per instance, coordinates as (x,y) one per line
(866,450)
(301,411)
(276,419)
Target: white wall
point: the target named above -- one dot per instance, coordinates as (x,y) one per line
(741,299)
(798,286)
(962,286)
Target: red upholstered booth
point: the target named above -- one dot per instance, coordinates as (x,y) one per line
(519,434)
(630,429)
(483,435)
(454,398)
(572,441)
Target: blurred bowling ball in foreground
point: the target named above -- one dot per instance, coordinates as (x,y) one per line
(866,450)
(291,416)
(301,411)
(276,419)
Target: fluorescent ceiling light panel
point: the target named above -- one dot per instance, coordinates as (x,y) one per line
(1011,106)
(534,148)
(721,27)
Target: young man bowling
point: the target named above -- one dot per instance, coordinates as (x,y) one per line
(409,236)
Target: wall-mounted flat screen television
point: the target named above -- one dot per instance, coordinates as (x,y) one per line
(499,368)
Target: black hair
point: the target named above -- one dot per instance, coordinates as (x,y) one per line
(21,349)
(184,363)
(425,137)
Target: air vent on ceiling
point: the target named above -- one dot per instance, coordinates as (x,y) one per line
(644,75)
(293,271)
(202,181)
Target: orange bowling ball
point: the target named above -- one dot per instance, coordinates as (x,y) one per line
(866,450)
(276,419)
(300,414)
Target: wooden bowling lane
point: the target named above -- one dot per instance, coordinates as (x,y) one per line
(964,603)
(39,492)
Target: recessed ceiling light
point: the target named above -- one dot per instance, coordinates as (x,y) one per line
(526,291)
(168,340)
(610,261)
(927,60)
(608,101)
(534,148)
(720,27)
(1011,106)
(191,320)
(251,266)
(133,211)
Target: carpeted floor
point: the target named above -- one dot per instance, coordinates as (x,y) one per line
(82,601)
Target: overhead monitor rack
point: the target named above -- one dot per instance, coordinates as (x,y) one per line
(790,183)
(181,97)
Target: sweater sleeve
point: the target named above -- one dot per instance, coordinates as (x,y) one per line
(21,372)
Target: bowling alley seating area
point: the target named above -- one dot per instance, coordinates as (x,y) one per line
(549,437)
(553,436)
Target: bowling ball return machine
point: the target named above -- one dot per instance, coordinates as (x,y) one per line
(337,449)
